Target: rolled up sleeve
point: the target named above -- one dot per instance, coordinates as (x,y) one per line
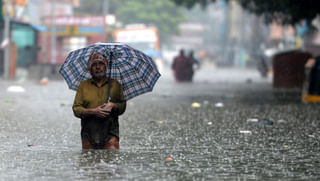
(78,103)
(122,104)
(121,107)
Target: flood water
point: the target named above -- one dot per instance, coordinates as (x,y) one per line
(162,137)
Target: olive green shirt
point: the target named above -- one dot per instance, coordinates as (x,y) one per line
(89,95)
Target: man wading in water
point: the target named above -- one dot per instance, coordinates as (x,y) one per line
(98,102)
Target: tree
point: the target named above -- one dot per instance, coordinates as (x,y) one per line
(281,11)
(190,3)
(164,14)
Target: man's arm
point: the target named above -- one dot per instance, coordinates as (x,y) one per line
(121,106)
(78,102)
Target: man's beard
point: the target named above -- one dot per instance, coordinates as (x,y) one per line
(99,75)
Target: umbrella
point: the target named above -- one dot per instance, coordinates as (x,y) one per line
(135,71)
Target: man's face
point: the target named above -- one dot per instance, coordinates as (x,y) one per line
(98,66)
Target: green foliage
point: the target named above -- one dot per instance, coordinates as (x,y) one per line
(190,3)
(163,14)
(281,11)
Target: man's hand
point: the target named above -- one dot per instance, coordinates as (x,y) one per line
(101,112)
(109,106)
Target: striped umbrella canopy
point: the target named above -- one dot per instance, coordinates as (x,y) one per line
(135,71)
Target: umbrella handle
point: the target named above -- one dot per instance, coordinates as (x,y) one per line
(109,77)
(109,88)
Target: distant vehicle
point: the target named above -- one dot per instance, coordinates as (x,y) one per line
(143,38)
(139,36)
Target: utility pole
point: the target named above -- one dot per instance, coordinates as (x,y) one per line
(6,38)
(105,6)
(53,33)
(7,43)
(105,12)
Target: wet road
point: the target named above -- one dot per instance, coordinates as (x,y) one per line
(162,136)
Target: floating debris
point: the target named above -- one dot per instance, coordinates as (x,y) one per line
(219,104)
(209,123)
(253,120)
(196,105)
(160,121)
(260,122)
(281,121)
(311,136)
(265,122)
(245,132)
(169,159)
(16,89)
(44,81)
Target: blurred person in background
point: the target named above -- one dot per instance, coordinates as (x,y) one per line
(180,67)
(98,103)
(262,66)
(192,65)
